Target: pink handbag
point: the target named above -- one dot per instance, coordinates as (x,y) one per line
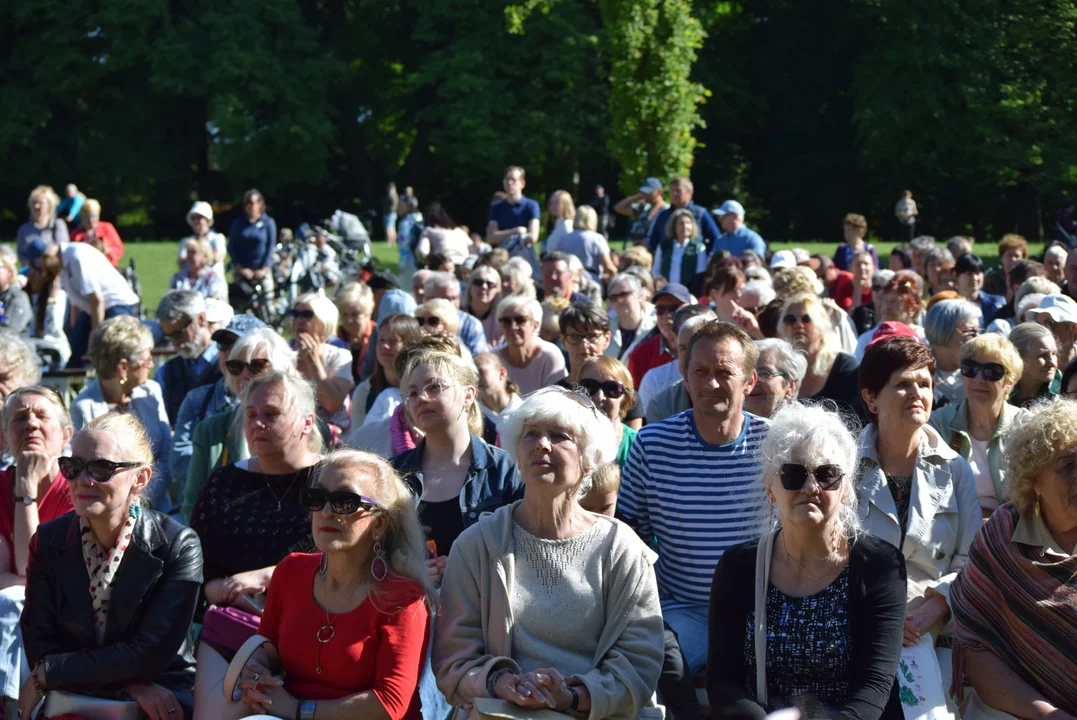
(228,627)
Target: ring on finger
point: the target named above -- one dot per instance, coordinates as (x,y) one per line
(171,710)
(259,687)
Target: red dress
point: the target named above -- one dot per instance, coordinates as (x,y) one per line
(55,502)
(109,237)
(380,648)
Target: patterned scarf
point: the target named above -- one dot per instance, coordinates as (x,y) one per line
(101,566)
(1019,605)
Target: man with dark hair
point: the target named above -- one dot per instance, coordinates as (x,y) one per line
(1020,270)
(558,279)
(585,333)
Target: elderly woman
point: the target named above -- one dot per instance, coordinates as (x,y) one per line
(603,655)
(831,374)
(828,612)
(517,278)
(21,367)
(111,588)
(200,220)
(532,362)
(437,315)
(214,441)
(102,235)
(327,367)
(1040,377)
(248,514)
(355,303)
(915,491)
(975,427)
(498,396)
(948,326)
(682,239)
(633,319)
(199,273)
(120,355)
(460,476)
(609,384)
(367,579)
(16,313)
(780,370)
(483,294)
(43,224)
(1014,624)
(36,428)
(899,302)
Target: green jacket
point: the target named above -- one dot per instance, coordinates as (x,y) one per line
(952,423)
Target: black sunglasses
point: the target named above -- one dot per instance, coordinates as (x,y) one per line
(484,283)
(992,372)
(236,367)
(610,388)
(341,502)
(794,476)
(301,314)
(99,470)
(432,321)
(508,321)
(791,319)
(667,309)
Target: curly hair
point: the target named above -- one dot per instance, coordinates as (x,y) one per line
(1033,442)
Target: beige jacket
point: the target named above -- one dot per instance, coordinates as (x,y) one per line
(473,635)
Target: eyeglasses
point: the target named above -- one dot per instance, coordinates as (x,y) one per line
(99,470)
(613,297)
(432,321)
(610,388)
(576,338)
(573,395)
(768,373)
(791,319)
(794,476)
(298,314)
(178,334)
(429,392)
(509,321)
(236,367)
(486,284)
(992,372)
(667,309)
(341,502)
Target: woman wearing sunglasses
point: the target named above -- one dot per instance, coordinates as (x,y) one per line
(438,315)
(590,642)
(914,490)
(248,513)
(532,362)
(483,294)
(120,352)
(111,589)
(215,442)
(327,367)
(350,622)
(609,384)
(989,367)
(831,603)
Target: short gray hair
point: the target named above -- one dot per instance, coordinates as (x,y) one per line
(514,274)
(179,304)
(945,316)
(9,259)
(880,278)
(762,289)
(324,309)
(1035,284)
(438,280)
(529,306)
(278,353)
(631,279)
(788,361)
(19,358)
(939,255)
(1055,250)
(810,433)
(923,242)
(301,402)
(123,337)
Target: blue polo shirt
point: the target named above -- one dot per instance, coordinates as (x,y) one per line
(519,214)
(743,239)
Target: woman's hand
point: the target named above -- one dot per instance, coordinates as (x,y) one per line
(157,702)
(509,688)
(31,467)
(226,590)
(551,686)
(747,322)
(28,697)
(264,692)
(435,570)
(922,614)
(310,355)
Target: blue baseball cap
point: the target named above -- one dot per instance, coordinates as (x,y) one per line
(35,249)
(241,326)
(674,290)
(730,206)
(650,185)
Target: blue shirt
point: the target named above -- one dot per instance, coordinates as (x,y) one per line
(743,239)
(509,215)
(705,226)
(251,245)
(214,398)
(694,498)
(471,333)
(989,305)
(843,256)
(195,369)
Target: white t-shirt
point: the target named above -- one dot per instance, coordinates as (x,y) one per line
(656,380)
(981,472)
(87,271)
(384,406)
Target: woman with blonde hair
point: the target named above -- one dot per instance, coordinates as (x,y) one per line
(355,302)
(589,245)
(438,315)
(248,514)
(532,362)
(199,272)
(350,621)
(1040,377)
(111,588)
(561,211)
(327,367)
(517,278)
(42,224)
(483,294)
(806,325)
(102,235)
(609,384)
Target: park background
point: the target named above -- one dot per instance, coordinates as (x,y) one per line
(802,111)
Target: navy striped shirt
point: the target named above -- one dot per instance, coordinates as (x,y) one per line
(695,498)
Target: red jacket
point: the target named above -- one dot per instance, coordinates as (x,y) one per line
(106,232)
(841,291)
(648,354)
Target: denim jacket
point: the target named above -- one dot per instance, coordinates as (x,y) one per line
(492,480)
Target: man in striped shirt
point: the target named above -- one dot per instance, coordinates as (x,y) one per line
(692,481)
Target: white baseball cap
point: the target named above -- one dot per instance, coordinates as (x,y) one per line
(783,259)
(1060,308)
(202,208)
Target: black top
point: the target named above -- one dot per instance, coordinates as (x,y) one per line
(876,613)
(442,522)
(244,527)
(842,386)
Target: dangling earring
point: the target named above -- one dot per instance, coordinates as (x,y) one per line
(1039,513)
(378,568)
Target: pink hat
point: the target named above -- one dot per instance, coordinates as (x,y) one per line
(891,328)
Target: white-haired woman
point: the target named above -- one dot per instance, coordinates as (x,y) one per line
(248,514)
(111,588)
(21,365)
(517,278)
(120,352)
(214,442)
(829,608)
(483,294)
(950,324)
(43,224)
(592,641)
(349,621)
(831,374)
(532,362)
(780,370)
(437,315)
(328,368)
(355,302)
(1040,376)
(199,273)
(200,220)
(17,311)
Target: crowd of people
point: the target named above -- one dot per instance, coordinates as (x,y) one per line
(689,475)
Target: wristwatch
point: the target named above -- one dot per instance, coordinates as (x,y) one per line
(25,499)
(306,710)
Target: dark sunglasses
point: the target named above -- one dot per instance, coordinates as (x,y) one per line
(236,367)
(513,320)
(610,388)
(793,476)
(178,333)
(667,309)
(484,283)
(992,372)
(99,470)
(301,314)
(791,319)
(428,321)
(341,502)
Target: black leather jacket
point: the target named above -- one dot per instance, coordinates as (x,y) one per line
(148,630)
